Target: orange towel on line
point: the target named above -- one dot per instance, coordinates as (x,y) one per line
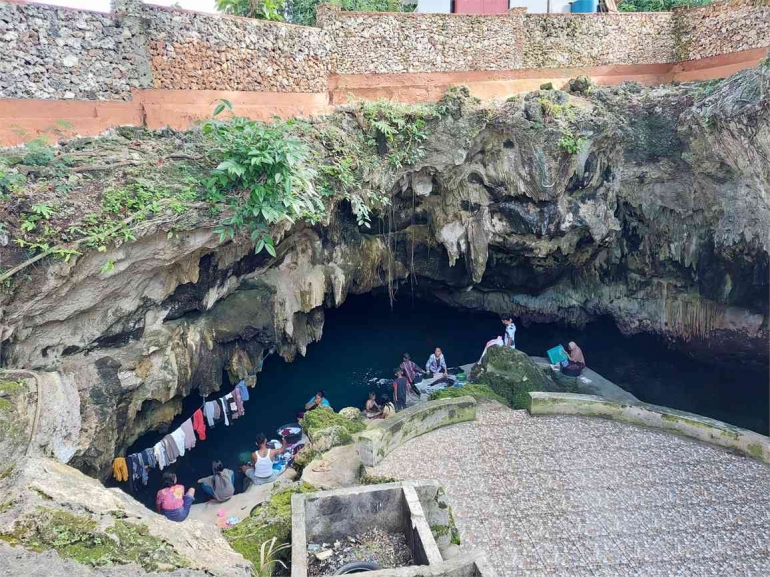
(120,469)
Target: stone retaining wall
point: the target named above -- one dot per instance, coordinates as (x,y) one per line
(556,40)
(50,52)
(723,28)
(195,51)
(379,440)
(680,422)
(371,42)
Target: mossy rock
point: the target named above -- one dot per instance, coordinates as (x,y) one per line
(303,458)
(352,414)
(511,375)
(324,417)
(80,538)
(334,436)
(271,519)
(478,392)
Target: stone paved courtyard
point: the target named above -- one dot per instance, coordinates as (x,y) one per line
(577,496)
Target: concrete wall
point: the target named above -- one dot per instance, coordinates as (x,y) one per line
(379,440)
(680,422)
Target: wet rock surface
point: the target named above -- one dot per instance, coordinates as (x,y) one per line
(383,549)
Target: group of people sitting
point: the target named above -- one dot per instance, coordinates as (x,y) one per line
(174,503)
(407,375)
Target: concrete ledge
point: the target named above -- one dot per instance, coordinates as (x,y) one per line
(379,440)
(680,422)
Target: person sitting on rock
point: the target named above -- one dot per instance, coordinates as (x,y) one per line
(260,470)
(372,410)
(388,408)
(221,484)
(171,501)
(576,363)
(509,338)
(436,364)
(315,401)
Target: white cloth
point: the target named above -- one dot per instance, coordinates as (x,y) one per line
(498,342)
(178,437)
(208,410)
(160,455)
(223,405)
(510,334)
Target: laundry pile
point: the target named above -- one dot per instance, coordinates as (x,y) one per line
(134,468)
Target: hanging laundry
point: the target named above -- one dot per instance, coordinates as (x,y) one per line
(189,435)
(232,406)
(160,455)
(148,456)
(210,409)
(178,436)
(217,410)
(134,471)
(238,401)
(172,450)
(142,468)
(244,390)
(198,425)
(224,411)
(120,469)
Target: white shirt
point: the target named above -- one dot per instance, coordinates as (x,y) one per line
(510,335)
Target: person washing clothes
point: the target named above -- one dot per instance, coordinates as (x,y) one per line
(221,484)
(412,372)
(436,364)
(399,390)
(509,338)
(576,363)
(315,401)
(261,469)
(171,501)
(388,408)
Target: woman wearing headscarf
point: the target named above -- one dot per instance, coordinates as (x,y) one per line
(576,363)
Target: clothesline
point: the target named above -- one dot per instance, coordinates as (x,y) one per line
(135,467)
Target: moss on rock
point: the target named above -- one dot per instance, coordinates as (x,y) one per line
(476,391)
(271,519)
(81,538)
(324,417)
(512,375)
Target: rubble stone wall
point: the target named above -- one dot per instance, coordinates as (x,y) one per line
(196,51)
(51,52)
(564,40)
(723,28)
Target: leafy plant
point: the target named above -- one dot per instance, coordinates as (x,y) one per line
(260,9)
(571,143)
(263,174)
(268,558)
(38,153)
(304,11)
(10,181)
(402,127)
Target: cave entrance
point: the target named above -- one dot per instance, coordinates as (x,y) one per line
(364,339)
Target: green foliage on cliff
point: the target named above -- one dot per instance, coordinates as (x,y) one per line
(81,539)
(263,175)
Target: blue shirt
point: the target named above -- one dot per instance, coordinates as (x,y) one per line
(325,403)
(510,335)
(436,365)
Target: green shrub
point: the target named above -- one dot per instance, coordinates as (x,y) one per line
(263,173)
(38,154)
(658,5)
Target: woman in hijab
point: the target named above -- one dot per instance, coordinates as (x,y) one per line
(577,362)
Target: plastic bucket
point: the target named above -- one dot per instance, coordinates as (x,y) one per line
(583,6)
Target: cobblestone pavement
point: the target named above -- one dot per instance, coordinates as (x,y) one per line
(578,496)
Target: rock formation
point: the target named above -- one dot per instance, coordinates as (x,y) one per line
(646,204)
